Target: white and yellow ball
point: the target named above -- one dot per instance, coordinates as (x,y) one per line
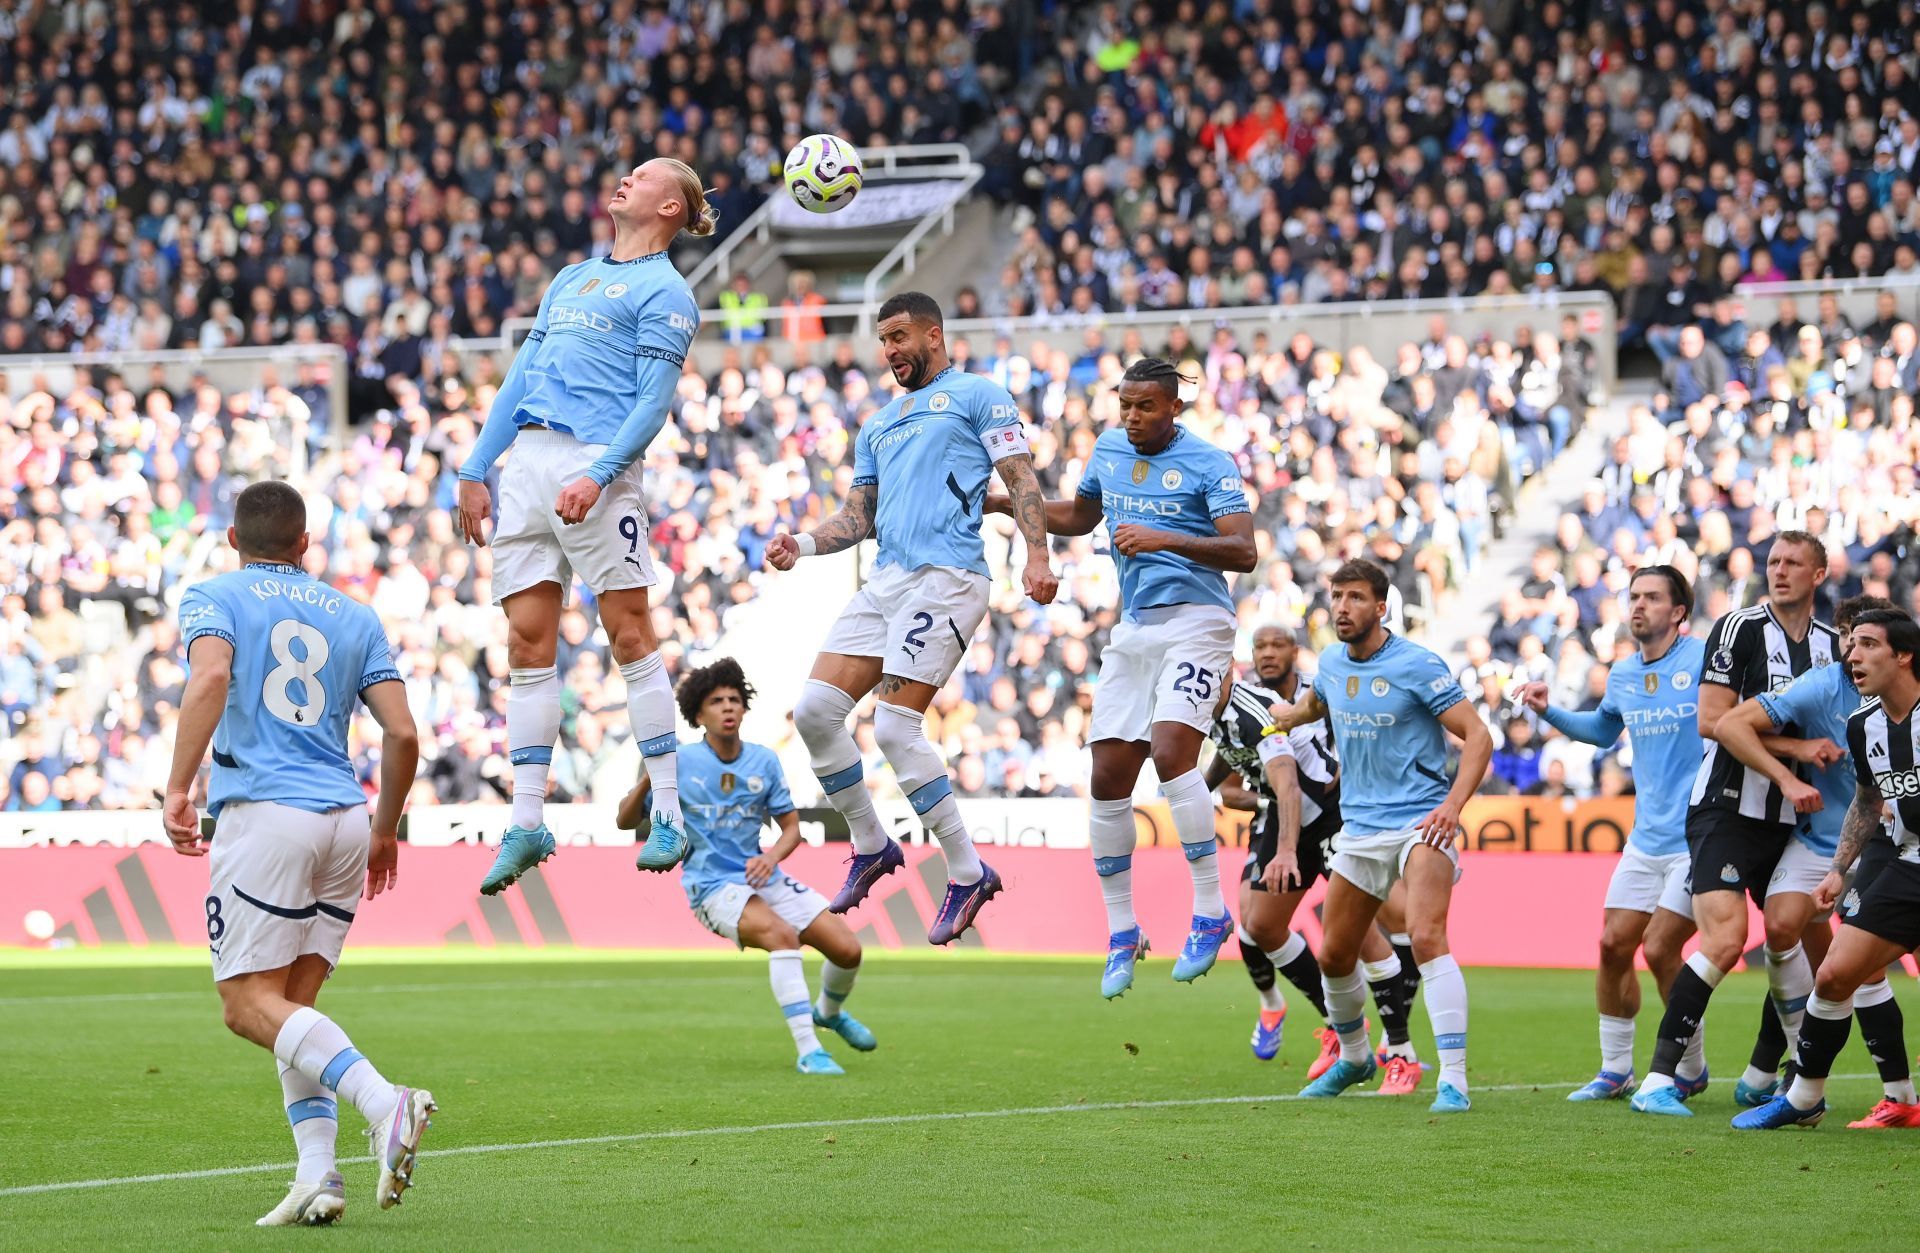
(823,173)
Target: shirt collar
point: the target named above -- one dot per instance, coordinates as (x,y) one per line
(275,567)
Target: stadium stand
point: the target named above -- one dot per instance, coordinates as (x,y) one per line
(398,180)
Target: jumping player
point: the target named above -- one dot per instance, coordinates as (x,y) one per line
(584,397)
(1882,922)
(731,790)
(1292,785)
(1392,704)
(920,471)
(1738,821)
(1653,696)
(1178,518)
(1819,702)
(277,661)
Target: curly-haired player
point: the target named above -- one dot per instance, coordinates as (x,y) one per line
(729,789)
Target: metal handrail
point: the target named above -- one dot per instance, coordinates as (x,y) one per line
(906,253)
(881,165)
(195,359)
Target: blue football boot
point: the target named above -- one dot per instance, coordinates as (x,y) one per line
(520,851)
(1778,1113)
(1605,1086)
(1124,948)
(1202,948)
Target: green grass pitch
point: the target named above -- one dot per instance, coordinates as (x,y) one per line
(116,1066)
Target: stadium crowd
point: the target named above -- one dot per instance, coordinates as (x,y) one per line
(388,177)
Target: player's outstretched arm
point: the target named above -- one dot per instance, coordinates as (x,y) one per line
(496,436)
(1283,871)
(762,865)
(1027,505)
(399,763)
(656,377)
(1309,708)
(1229,548)
(850,524)
(1598,727)
(1077,516)
(1743,731)
(1861,824)
(210,660)
(633,807)
(1221,778)
(1476,753)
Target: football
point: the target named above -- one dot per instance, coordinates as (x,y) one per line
(823,173)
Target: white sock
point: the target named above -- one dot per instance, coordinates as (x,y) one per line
(1790,983)
(1807,1092)
(650,710)
(1191,804)
(315,1118)
(1693,1062)
(1754,1077)
(789,977)
(836,984)
(1616,1044)
(1444,989)
(1386,968)
(821,718)
(1295,944)
(1113,838)
(533,723)
(902,736)
(314,1045)
(1400,939)
(1347,1012)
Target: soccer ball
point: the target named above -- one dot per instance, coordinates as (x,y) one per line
(823,173)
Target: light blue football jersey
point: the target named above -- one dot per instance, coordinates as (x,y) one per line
(928,455)
(1658,706)
(1817,704)
(1184,487)
(726,803)
(302,655)
(596,318)
(1385,713)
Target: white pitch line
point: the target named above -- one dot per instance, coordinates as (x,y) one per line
(817,1124)
(209,993)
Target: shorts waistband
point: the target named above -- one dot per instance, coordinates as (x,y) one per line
(1159,614)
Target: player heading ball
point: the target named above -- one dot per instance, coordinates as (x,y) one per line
(584,397)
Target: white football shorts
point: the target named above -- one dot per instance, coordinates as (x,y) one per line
(531,545)
(1375,862)
(1166,667)
(1799,869)
(1643,883)
(918,622)
(796,904)
(285,882)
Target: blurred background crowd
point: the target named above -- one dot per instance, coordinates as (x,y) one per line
(389,176)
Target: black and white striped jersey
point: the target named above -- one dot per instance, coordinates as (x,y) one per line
(1237,736)
(1749,652)
(1886,756)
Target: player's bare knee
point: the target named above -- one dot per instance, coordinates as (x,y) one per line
(1172,761)
(1833,982)
(1663,955)
(1616,950)
(779,936)
(1429,942)
(1783,933)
